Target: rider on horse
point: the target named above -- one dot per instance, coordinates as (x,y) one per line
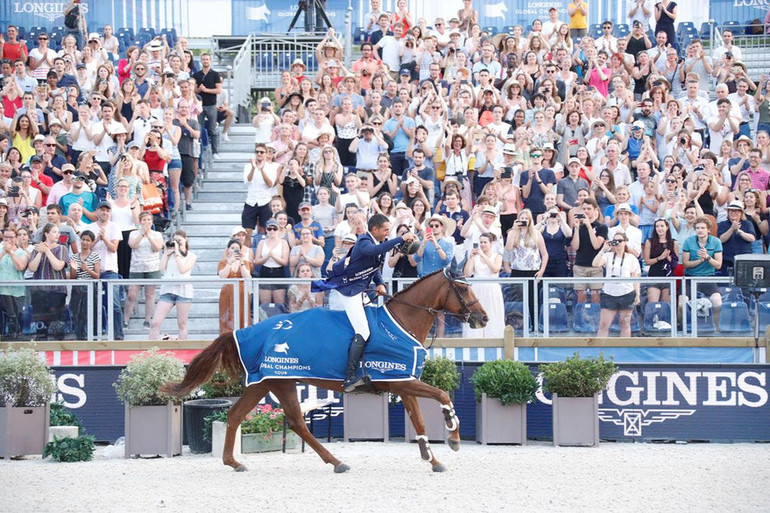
(351,277)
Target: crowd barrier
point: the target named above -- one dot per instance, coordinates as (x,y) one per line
(554,302)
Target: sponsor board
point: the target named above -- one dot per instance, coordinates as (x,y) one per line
(643,402)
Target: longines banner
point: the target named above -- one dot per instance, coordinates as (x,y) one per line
(644,402)
(203,18)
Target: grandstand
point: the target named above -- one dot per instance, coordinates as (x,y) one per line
(251,65)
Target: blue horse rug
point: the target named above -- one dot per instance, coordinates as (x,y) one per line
(314,344)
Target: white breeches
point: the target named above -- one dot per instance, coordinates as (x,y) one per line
(354,308)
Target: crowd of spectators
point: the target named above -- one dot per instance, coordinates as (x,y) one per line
(553,153)
(545,152)
(99,150)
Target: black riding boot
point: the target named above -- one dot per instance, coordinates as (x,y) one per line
(356,351)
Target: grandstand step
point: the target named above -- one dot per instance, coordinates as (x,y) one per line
(239,145)
(225,188)
(203,206)
(229,218)
(234,197)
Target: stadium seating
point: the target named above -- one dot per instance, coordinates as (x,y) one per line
(705,30)
(734,318)
(595,30)
(147,30)
(359,36)
(271,309)
(654,312)
(621,30)
(705,324)
(558,321)
(507,29)
(685,26)
(514,315)
(764,314)
(615,326)
(554,293)
(490,29)
(586,318)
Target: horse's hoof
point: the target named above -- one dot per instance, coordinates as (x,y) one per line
(453,444)
(241,468)
(341,468)
(439,468)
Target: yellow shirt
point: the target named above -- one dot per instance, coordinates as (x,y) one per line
(578,20)
(24,146)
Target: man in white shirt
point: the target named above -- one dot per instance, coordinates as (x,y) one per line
(695,105)
(722,124)
(722,92)
(355,194)
(261,177)
(634,235)
(108,236)
(102,136)
(61,187)
(607,41)
(727,46)
(746,105)
(441,33)
(551,27)
(26,83)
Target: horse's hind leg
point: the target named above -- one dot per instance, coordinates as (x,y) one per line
(286,392)
(248,401)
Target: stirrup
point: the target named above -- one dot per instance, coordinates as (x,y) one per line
(362,385)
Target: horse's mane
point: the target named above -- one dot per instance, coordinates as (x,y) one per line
(414,283)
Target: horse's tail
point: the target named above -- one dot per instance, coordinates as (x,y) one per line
(221,354)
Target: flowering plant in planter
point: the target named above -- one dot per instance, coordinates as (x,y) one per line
(264,420)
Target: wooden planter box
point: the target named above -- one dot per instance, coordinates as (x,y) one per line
(365,417)
(23,430)
(154,430)
(256,442)
(576,421)
(218,432)
(433,416)
(62,432)
(498,424)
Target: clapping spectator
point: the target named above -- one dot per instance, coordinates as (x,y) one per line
(48,261)
(146,245)
(13,263)
(85,265)
(617,297)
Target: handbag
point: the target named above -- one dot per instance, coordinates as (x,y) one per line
(152,200)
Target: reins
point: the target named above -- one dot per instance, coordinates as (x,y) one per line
(463,316)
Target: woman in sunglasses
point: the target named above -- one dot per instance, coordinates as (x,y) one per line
(273,255)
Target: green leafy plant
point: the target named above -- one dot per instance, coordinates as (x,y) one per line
(70,449)
(510,382)
(217,416)
(441,373)
(25,379)
(222,385)
(61,416)
(138,383)
(578,377)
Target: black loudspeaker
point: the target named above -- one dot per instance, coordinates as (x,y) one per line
(752,271)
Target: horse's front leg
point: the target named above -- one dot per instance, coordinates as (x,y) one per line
(286,392)
(419,389)
(251,397)
(412,407)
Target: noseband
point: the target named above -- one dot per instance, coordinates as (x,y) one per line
(465,313)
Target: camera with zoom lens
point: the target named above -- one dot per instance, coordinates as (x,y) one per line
(170,244)
(614,243)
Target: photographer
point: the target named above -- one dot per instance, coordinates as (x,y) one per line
(526,255)
(617,297)
(146,245)
(233,265)
(177,262)
(367,146)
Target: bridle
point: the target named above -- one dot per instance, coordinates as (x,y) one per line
(464,315)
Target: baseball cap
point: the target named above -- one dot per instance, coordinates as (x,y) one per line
(271,222)
(489,210)
(304,204)
(38,137)
(509,149)
(638,124)
(93,36)
(622,207)
(237,230)
(573,159)
(32,209)
(35,158)
(134,144)
(105,204)
(78,175)
(405,71)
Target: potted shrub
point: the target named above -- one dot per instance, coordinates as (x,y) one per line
(575,384)
(153,423)
(502,389)
(441,373)
(262,431)
(26,386)
(70,449)
(63,423)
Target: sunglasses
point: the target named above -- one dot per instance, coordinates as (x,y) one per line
(67,172)
(377,124)
(79,179)
(261,151)
(272,229)
(435,225)
(42,39)
(47,144)
(436,108)
(535,155)
(670,181)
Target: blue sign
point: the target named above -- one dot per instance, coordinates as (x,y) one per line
(644,402)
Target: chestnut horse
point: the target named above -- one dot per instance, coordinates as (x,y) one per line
(414,308)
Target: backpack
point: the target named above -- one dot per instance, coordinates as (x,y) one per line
(72,17)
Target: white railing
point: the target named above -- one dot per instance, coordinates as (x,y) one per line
(241,76)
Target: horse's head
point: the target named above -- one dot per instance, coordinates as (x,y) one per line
(462,301)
